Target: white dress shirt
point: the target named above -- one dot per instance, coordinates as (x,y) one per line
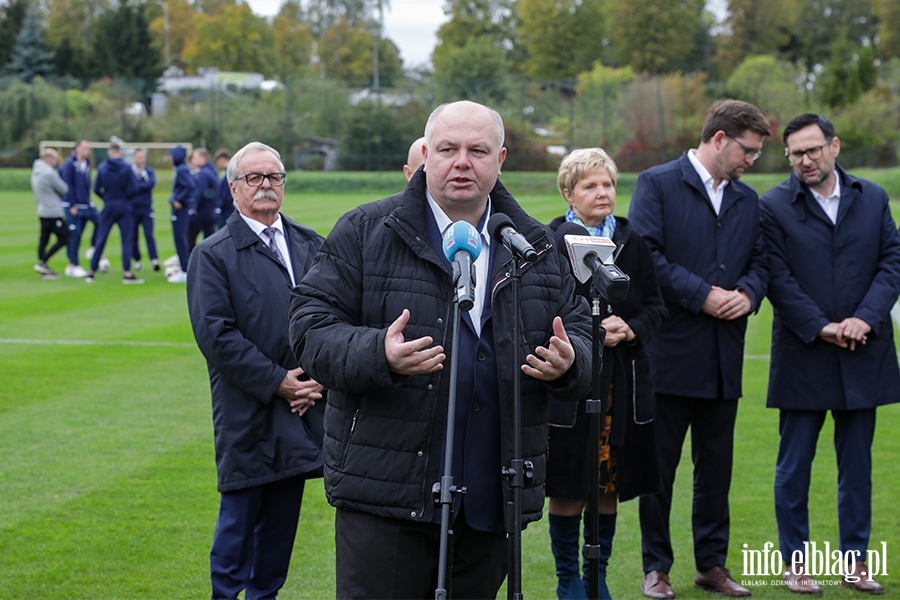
(258,227)
(715,193)
(482,280)
(832,202)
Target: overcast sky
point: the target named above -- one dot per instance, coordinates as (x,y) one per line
(412,24)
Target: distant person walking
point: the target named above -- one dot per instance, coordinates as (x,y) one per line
(115,185)
(76,172)
(142,208)
(207,215)
(49,188)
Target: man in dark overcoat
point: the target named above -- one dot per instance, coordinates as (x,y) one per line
(268,427)
(834,256)
(702,225)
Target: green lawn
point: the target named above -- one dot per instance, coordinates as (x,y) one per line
(106,459)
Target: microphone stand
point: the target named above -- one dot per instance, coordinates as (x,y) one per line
(443,492)
(595,408)
(520,472)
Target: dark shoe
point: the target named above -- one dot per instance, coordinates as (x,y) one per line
(155,264)
(863,583)
(89,278)
(800,584)
(565,542)
(50,276)
(719,580)
(656,585)
(131,279)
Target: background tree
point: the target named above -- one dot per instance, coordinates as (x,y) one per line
(233,40)
(293,41)
(30,57)
(848,73)
(69,24)
(493,21)
(475,71)
(817,21)
(771,85)
(888,14)
(123,46)
(653,35)
(346,55)
(562,38)
(12,15)
(752,27)
(181,27)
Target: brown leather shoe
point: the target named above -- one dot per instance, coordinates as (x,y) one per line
(862,583)
(719,580)
(656,585)
(802,583)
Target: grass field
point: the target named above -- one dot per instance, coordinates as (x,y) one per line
(107,469)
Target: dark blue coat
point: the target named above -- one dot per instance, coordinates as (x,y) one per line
(79,183)
(184,187)
(142,194)
(224,200)
(694,249)
(115,181)
(207,184)
(822,273)
(239,302)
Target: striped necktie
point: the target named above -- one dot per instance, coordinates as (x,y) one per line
(271,232)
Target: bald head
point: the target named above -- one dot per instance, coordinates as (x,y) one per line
(414,158)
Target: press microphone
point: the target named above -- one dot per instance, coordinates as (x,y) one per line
(501,228)
(462,245)
(587,254)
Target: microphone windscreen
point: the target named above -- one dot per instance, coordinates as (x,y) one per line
(568,228)
(496,223)
(461,236)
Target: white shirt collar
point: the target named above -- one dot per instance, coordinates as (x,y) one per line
(715,193)
(258,227)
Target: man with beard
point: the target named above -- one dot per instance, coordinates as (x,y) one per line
(834,256)
(702,225)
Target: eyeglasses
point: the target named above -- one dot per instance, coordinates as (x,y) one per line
(796,157)
(256,179)
(748,151)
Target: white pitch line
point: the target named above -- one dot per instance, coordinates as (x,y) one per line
(96,343)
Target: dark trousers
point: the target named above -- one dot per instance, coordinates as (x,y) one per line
(712,445)
(180,221)
(254,538)
(55,226)
(143,217)
(854,431)
(203,221)
(115,211)
(379,557)
(76,229)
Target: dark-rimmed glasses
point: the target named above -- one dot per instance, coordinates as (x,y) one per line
(748,151)
(796,157)
(256,179)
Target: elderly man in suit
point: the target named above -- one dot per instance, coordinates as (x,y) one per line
(702,225)
(268,427)
(834,256)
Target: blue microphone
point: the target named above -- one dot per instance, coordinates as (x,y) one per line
(462,245)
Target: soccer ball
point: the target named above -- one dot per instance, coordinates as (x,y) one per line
(104,264)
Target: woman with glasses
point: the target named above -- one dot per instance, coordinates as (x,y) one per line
(627,453)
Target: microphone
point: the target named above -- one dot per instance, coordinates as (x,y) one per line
(500,228)
(587,254)
(462,245)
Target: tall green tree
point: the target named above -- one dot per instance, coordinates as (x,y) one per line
(69,27)
(817,21)
(346,54)
(294,43)
(123,45)
(653,36)
(848,74)
(753,27)
(30,57)
(562,37)
(888,14)
(491,21)
(474,71)
(233,40)
(180,24)
(12,15)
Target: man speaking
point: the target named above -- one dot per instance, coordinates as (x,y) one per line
(371,321)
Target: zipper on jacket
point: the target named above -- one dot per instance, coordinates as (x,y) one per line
(349,437)
(634,395)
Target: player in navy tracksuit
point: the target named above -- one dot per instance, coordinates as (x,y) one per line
(184,203)
(142,208)
(115,185)
(207,215)
(79,209)
(223,194)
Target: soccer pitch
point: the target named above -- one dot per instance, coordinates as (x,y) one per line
(106,458)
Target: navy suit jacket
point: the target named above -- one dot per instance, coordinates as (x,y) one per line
(824,272)
(694,249)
